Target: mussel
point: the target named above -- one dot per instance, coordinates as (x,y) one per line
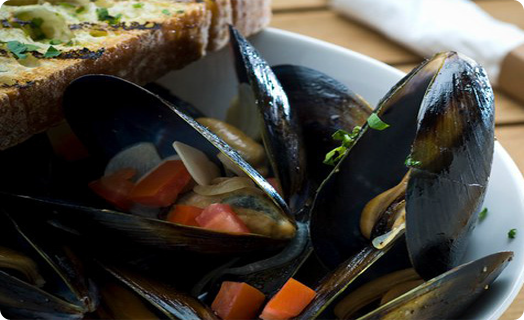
(298,109)
(435,140)
(281,133)
(41,278)
(129,295)
(131,115)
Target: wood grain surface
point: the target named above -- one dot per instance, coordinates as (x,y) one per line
(315,19)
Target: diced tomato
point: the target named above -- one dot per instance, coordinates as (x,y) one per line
(115,188)
(220,217)
(184,215)
(161,187)
(289,302)
(237,301)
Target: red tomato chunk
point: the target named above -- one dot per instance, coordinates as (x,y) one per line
(220,217)
(237,301)
(161,187)
(115,188)
(288,302)
(185,215)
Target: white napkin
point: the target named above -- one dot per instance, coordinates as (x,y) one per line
(431,26)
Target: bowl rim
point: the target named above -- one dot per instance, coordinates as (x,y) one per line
(499,150)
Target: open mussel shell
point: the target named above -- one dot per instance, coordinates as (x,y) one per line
(113,229)
(448,295)
(281,132)
(441,115)
(165,300)
(128,115)
(58,287)
(323,106)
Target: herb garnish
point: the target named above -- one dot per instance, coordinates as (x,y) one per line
(20,49)
(166,12)
(512,234)
(376,123)
(55,41)
(138,5)
(103,15)
(52,52)
(348,139)
(483,214)
(80,9)
(410,162)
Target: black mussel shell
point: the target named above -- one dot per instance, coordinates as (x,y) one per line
(323,106)
(281,132)
(113,229)
(66,292)
(129,114)
(168,301)
(373,165)
(425,115)
(453,153)
(447,296)
(297,134)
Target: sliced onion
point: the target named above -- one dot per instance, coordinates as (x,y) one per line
(201,169)
(142,157)
(225,186)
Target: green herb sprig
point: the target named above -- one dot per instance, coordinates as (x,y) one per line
(376,123)
(348,139)
(410,162)
(52,52)
(20,49)
(512,234)
(483,214)
(103,15)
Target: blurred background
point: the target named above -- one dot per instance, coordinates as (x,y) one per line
(315,18)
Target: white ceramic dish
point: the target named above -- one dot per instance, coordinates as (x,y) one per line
(210,84)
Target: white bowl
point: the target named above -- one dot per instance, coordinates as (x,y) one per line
(210,85)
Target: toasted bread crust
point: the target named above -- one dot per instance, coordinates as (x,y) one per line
(251,16)
(222,16)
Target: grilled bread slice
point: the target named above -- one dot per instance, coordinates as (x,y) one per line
(45,45)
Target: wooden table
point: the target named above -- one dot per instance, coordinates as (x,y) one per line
(313,18)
